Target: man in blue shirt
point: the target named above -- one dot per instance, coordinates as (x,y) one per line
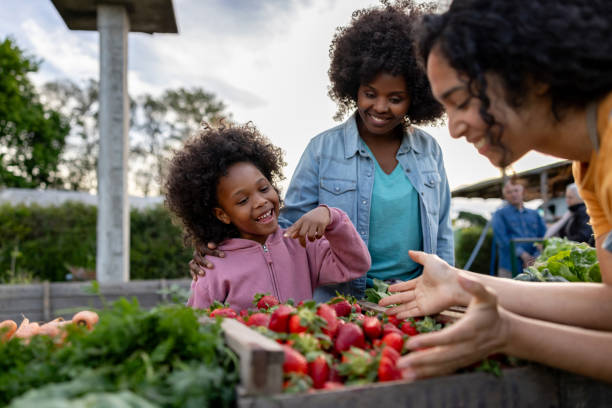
(513,220)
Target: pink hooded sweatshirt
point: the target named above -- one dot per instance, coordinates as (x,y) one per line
(282,267)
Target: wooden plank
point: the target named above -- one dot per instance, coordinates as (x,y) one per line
(261,359)
(33,316)
(21,291)
(518,387)
(46,301)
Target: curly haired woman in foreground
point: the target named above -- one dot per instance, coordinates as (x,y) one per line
(514,79)
(221,186)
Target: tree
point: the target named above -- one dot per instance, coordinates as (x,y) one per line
(79,161)
(32,137)
(163,123)
(157,125)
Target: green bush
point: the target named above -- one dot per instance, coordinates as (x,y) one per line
(43,242)
(465,242)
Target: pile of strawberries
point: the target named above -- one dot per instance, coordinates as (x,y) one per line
(329,345)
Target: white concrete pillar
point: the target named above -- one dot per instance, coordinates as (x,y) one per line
(113,232)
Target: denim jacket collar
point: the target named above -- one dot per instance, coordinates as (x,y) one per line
(351,139)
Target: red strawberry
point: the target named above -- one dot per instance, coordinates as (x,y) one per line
(334,375)
(394,320)
(349,335)
(259,319)
(224,312)
(394,340)
(295,362)
(388,371)
(372,327)
(390,353)
(409,328)
(279,319)
(329,314)
(341,306)
(295,326)
(390,328)
(332,385)
(356,308)
(265,301)
(318,370)
(241,319)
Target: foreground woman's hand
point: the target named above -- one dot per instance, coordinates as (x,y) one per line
(434,291)
(199,264)
(482,331)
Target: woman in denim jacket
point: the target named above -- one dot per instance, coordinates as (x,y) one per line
(387,175)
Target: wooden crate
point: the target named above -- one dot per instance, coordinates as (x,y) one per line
(533,385)
(45,301)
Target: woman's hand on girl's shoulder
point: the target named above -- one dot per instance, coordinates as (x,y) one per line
(310,226)
(199,265)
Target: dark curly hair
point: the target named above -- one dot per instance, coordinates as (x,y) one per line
(380,39)
(195,170)
(565,44)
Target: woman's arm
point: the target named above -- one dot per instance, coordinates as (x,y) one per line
(488,328)
(579,304)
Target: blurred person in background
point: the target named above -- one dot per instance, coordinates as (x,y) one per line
(574,225)
(513,220)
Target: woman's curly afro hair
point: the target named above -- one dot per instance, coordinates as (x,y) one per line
(379,40)
(565,44)
(194,173)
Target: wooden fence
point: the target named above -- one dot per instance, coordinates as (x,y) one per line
(46,301)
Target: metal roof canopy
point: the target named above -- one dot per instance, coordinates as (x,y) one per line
(542,182)
(145,16)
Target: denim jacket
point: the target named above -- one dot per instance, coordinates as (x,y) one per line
(336,170)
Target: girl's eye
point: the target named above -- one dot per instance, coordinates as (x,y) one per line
(369,95)
(243,201)
(264,189)
(395,100)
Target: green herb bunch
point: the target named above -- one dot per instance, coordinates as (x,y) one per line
(161,357)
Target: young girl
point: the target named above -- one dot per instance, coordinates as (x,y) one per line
(387,175)
(221,187)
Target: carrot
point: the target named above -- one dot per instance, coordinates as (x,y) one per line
(27,329)
(87,318)
(7,328)
(52,328)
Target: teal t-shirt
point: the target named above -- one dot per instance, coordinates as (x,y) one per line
(395,226)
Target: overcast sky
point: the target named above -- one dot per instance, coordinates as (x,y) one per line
(266,59)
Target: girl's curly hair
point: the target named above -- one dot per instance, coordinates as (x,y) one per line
(380,39)
(565,44)
(195,170)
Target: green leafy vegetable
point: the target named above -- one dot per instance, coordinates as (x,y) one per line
(564,260)
(379,290)
(163,356)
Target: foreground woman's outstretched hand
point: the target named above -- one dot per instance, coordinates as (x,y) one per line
(434,291)
(482,331)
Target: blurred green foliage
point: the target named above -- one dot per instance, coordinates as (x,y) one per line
(468,228)
(45,243)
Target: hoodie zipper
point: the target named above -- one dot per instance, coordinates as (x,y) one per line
(271,270)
